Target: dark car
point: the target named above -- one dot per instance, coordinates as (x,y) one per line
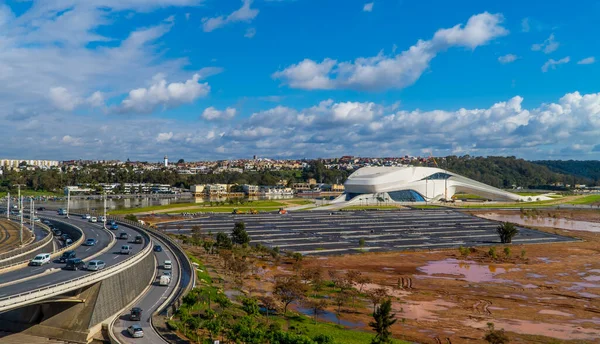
(123,235)
(138,239)
(41,209)
(136,314)
(67,255)
(75,264)
(157,248)
(56,231)
(90,242)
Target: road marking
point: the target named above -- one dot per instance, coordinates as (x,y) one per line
(116,257)
(37,269)
(88,249)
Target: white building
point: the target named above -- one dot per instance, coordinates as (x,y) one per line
(400,184)
(166,161)
(14,163)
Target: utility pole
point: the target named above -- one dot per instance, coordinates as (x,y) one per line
(7,205)
(104,224)
(32,215)
(68,200)
(21,230)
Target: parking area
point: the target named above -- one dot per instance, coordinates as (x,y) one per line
(325,233)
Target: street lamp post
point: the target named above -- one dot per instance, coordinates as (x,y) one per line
(20,199)
(68,200)
(7,205)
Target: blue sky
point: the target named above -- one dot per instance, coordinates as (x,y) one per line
(207,79)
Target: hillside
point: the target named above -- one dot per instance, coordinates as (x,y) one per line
(504,172)
(589,169)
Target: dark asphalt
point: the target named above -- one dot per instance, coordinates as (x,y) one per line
(324,233)
(91,230)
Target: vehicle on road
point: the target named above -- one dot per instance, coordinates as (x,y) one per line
(135,331)
(41,209)
(282,211)
(36,219)
(67,255)
(40,259)
(56,231)
(64,236)
(167,273)
(68,242)
(164,280)
(135,314)
(157,248)
(167,265)
(90,242)
(125,249)
(75,264)
(93,219)
(95,265)
(62,212)
(114,226)
(123,235)
(46,222)
(86,216)
(101,219)
(138,239)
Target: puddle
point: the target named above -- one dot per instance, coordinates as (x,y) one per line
(555,312)
(492,308)
(328,316)
(466,270)
(593,320)
(592,278)
(540,221)
(535,276)
(422,310)
(547,260)
(581,285)
(590,295)
(558,331)
(529,286)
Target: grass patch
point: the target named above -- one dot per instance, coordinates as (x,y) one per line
(225,209)
(365,207)
(528,193)
(586,200)
(33,193)
(191,208)
(467,196)
(426,206)
(307,326)
(299,201)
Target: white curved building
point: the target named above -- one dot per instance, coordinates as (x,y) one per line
(370,185)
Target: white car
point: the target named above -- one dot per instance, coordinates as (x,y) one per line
(40,259)
(86,216)
(135,331)
(101,219)
(167,265)
(93,219)
(125,249)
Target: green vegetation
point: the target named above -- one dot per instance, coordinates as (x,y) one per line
(299,201)
(589,169)
(533,194)
(507,232)
(383,319)
(494,336)
(374,207)
(591,199)
(426,206)
(216,207)
(467,196)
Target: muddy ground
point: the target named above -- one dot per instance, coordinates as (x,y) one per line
(550,293)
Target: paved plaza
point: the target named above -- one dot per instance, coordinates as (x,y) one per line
(325,233)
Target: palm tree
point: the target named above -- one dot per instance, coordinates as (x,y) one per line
(507,232)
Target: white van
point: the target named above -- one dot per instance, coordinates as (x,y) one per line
(125,249)
(167,265)
(164,280)
(93,219)
(40,259)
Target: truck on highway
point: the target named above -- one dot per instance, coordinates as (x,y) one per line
(61,211)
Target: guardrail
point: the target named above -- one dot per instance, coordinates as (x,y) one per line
(18,300)
(28,248)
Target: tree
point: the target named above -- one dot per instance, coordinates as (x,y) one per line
(181,161)
(317,306)
(507,232)
(361,281)
(494,336)
(131,217)
(288,289)
(223,241)
(239,235)
(383,319)
(269,303)
(376,296)
(340,300)
(250,306)
(196,234)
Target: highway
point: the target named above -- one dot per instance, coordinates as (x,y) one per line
(36,277)
(149,302)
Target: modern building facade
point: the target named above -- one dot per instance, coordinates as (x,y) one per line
(401,184)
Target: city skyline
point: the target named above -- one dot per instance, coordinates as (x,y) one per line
(207,80)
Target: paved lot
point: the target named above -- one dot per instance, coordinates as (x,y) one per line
(323,233)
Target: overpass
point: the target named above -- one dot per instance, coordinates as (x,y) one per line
(72,305)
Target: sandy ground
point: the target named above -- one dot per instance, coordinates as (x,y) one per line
(551,295)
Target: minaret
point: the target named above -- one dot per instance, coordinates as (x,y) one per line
(166,161)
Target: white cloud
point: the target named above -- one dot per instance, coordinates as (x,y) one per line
(212,114)
(243,14)
(525,27)
(72,141)
(587,60)
(160,93)
(62,99)
(508,58)
(250,32)
(551,63)
(164,137)
(368,7)
(547,46)
(398,71)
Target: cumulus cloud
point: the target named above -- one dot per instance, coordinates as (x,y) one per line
(368,7)
(551,63)
(163,137)
(396,71)
(159,93)
(64,100)
(243,14)
(547,46)
(212,114)
(508,58)
(71,141)
(587,60)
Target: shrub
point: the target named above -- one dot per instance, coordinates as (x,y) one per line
(523,254)
(492,252)
(507,232)
(172,325)
(494,336)
(323,339)
(464,251)
(507,251)
(131,217)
